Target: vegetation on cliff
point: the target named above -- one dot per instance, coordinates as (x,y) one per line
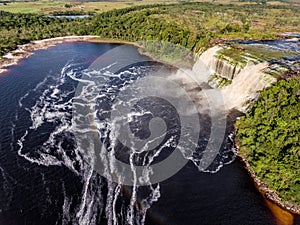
(269,137)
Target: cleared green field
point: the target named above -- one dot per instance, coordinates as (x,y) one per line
(33,7)
(107,6)
(49,6)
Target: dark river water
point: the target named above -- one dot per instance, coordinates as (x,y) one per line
(44,181)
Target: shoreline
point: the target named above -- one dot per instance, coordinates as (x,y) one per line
(26,50)
(268,193)
(280,36)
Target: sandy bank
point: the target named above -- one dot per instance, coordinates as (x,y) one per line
(26,50)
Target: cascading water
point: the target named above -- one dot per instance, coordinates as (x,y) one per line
(224,69)
(245,88)
(258,74)
(219,66)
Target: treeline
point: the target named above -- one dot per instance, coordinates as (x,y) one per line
(17,29)
(142,25)
(192,25)
(269,137)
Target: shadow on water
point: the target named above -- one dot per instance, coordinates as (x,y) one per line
(228,197)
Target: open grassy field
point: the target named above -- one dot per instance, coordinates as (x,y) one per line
(50,6)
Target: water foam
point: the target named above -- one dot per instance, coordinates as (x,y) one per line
(53,108)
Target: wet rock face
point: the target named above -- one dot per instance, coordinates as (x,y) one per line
(223,68)
(293,72)
(219,66)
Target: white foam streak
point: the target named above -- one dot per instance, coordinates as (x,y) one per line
(53,108)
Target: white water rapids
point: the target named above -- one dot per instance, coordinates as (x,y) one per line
(52,110)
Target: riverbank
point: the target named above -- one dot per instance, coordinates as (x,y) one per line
(268,193)
(262,152)
(26,50)
(285,214)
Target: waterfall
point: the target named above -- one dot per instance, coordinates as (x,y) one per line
(224,69)
(219,66)
(245,83)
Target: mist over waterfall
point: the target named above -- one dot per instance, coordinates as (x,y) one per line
(245,82)
(245,87)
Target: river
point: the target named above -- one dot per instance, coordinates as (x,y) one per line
(43,180)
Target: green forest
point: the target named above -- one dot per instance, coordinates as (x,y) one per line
(192,25)
(269,137)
